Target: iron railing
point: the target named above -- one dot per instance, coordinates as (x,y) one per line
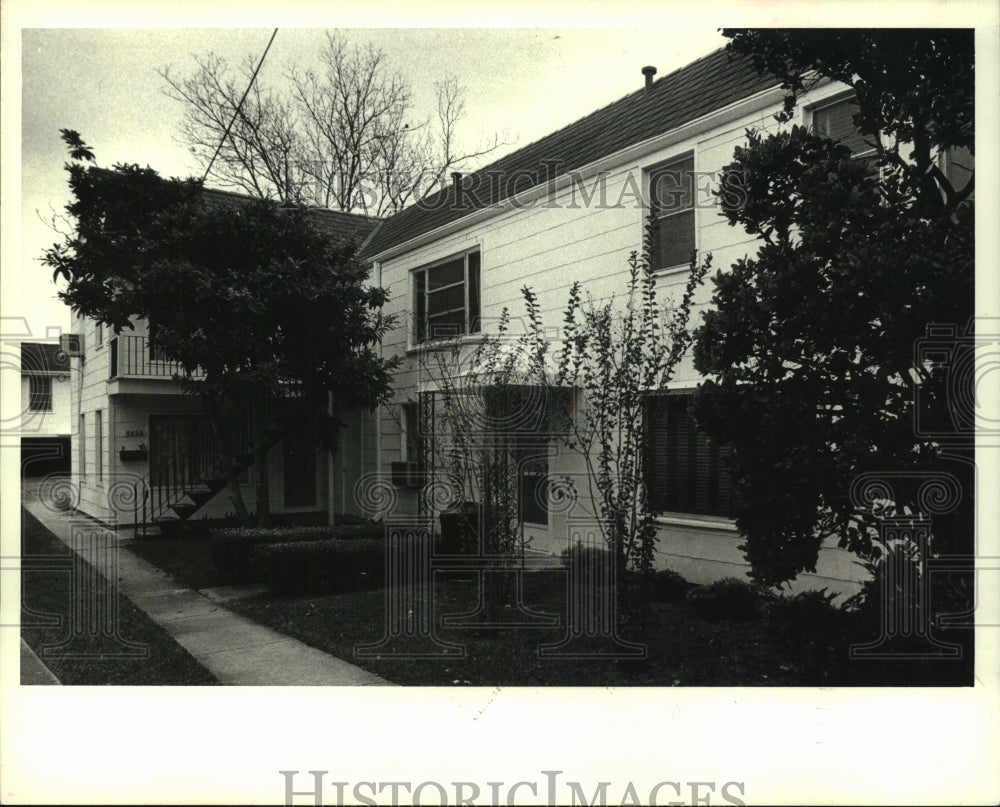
(136,356)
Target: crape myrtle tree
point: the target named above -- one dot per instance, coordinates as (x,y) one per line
(273,310)
(809,348)
(616,355)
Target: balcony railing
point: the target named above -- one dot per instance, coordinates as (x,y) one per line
(135,357)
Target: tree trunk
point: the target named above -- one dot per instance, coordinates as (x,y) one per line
(231,465)
(260,450)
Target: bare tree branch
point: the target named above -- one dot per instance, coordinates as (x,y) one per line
(342,135)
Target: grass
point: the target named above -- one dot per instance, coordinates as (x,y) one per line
(684,648)
(186,557)
(46,593)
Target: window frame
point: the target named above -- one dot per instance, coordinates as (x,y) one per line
(419,332)
(653,173)
(99,444)
(82,428)
(835,101)
(716,489)
(412,447)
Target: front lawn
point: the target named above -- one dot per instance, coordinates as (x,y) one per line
(747,643)
(684,648)
(45,596)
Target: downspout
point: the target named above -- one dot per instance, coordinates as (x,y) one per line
(378,409)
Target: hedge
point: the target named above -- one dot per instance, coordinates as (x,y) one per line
(729,598)
(330,566)
(234,550)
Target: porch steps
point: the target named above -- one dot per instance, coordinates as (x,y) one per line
(194,495)
(192,501)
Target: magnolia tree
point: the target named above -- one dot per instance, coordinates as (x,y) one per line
(276,315)
(811,345)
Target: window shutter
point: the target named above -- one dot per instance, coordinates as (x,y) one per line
(685,471)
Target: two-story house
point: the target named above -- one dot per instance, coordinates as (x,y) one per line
(144,451)
(45,410)
(569,207)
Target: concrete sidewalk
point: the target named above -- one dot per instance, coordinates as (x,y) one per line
(33,669)
(234,649)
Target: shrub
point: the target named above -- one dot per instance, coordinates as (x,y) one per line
(329,566)
(729,598)
(233,549)
(589,561)
(669,586)
(807,619)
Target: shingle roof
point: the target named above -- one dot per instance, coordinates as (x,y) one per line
(40,358)
(336,223)
(710,83)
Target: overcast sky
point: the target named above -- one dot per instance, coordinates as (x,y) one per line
(523,83)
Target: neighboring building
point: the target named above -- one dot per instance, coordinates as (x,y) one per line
(144,449)
(572,206)
(45,410)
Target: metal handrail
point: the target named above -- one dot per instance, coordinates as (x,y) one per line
(135,356)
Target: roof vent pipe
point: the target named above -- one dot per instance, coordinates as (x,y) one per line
(649,71)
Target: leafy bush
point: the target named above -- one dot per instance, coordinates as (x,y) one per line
(594,563)
(233,549)
(669,586)
(329,566)
(729,598)
(808,619)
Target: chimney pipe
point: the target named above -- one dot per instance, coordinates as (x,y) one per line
(649,71)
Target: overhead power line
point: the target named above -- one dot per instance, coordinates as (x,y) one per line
(239,106)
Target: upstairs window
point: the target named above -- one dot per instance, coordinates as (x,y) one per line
(40,393)
(446,300)
(671,189)
(836,121)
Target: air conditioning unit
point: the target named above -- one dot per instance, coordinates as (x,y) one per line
(71,344)
(407,475)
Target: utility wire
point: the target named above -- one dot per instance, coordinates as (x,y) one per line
(239,106)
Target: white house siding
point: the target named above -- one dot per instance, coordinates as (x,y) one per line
(126,406)
(548,246)
(55,423)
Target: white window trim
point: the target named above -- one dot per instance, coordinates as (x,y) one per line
(416,345)
(809,118)
(648,173)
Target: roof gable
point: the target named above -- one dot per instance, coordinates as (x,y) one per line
(706,85)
